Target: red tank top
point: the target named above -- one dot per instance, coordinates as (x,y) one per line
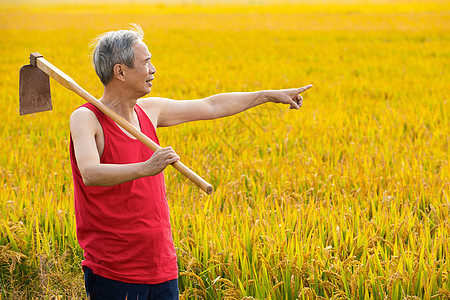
(124,229)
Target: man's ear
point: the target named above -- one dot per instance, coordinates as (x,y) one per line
(119,72)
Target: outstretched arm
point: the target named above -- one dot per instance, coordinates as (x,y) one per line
(172,112)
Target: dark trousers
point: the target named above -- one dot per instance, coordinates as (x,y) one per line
(100,288)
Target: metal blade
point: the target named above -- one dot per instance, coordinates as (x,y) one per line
(34,91)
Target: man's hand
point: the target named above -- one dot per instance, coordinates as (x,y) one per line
(287,96)
(159,161)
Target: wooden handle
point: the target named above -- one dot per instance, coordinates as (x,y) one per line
(69,83)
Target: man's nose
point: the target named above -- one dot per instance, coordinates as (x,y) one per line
(152,69)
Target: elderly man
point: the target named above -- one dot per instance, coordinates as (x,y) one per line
(121,208)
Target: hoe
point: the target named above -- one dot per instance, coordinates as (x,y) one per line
(34,96)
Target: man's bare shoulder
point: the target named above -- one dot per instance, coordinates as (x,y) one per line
(152,103)
(153,106)
(83,118)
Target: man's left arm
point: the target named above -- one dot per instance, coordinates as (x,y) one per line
(173,112)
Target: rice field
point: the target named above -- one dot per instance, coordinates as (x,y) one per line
(346,198)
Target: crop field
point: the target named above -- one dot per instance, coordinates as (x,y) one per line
(346,198)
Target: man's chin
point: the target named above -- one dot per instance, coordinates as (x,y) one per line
(145,93)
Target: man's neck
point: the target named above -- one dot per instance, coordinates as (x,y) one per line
(119,102)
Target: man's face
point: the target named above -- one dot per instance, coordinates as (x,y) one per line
(139,78)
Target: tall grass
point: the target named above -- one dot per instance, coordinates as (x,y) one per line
(347,198)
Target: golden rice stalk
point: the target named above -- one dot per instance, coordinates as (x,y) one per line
(442,294)
(193,294)
(392,280)
(276,286)
(10,257)
(230,291)
(198,281)
(329,287)
(309,294)
(339,295)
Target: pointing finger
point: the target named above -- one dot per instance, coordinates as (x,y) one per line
(307,87)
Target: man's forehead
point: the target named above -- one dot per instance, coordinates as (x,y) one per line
(140,48)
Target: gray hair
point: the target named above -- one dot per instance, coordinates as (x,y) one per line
(115,47)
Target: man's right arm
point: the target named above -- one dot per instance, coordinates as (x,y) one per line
(84,127)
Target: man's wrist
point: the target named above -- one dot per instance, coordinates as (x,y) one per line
(264,96)
(143,170)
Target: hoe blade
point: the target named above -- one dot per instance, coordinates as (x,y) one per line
(34,91)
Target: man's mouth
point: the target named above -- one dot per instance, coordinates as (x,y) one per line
(149,81)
